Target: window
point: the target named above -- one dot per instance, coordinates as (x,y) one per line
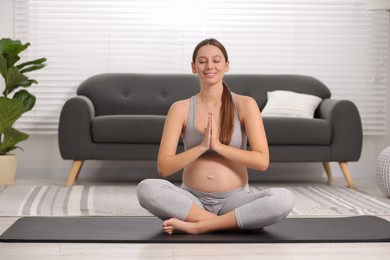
(338,42)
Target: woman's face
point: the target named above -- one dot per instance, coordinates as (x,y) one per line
(210,64)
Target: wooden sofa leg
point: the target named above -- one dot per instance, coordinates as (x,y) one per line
(74,172)
(347,174)
(328,172)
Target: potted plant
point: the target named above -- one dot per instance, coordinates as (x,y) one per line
(15,100)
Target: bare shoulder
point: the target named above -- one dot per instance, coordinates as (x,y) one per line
(246,104)
(179,111)
(180,106)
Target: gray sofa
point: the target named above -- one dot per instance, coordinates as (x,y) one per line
(121,117)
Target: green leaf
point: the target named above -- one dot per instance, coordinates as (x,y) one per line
(32,68)
(3,67)
(9,46)
(24,84)
(10,111)
(14,80)
(9,149)
(11,59)
(27,99)
(33,62)
(11,138)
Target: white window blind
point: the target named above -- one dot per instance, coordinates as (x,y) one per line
(338,42)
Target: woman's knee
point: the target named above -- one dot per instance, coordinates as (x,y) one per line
(144,186)
(285,199)
(146,189)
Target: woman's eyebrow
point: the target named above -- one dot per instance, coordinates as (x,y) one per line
(204,57)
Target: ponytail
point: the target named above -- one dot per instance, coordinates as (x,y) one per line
(226,122)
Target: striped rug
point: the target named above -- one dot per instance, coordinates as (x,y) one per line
(120,200)
(335,201)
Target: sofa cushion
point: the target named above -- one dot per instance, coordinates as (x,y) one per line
(297,131)
(137,129)
(147,129)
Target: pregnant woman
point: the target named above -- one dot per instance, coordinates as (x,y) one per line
(215,125)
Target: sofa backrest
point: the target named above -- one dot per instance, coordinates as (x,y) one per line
(120,94)
(257,86)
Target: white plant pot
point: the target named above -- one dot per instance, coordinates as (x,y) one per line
(7,168)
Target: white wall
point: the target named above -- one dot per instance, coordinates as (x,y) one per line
(41,157)
(6,18)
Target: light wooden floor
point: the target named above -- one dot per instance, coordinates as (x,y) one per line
(334,251)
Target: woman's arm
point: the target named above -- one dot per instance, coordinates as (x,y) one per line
(258,157)
(168,162)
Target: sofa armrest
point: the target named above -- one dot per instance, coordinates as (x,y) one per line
(74,130)
(347,133)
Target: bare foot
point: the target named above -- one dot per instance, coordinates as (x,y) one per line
(175,225)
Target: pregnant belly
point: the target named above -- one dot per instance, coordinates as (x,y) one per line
(214,174)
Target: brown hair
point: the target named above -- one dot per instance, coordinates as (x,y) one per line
(226,122)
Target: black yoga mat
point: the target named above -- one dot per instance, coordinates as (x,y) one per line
(148,230)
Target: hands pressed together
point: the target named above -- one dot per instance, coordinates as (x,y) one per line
(211,137)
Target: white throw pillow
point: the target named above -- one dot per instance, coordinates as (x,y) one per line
(281,103)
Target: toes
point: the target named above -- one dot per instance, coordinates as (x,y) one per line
(168,230)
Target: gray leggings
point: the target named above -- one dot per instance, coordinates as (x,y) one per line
(252,210)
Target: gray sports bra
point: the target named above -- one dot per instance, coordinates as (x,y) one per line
(191,137)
